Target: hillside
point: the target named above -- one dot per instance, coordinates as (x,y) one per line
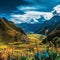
(9,32)
(53,38)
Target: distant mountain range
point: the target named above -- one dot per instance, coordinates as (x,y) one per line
(29,28)
(51,25)
(9,32)
(40,28)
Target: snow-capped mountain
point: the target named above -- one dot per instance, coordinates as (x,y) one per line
(38,22)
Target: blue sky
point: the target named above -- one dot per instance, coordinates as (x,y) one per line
(15,10)
(9,5)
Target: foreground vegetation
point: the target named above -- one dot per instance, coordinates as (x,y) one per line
(34,50)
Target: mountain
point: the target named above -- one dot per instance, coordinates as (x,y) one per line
(54,35)
(9,32)
(41,27)
(29,28)
(32,26)
(50,25)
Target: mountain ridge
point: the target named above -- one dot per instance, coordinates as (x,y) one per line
(9,32)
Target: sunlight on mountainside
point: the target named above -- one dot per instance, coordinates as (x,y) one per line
(36,37)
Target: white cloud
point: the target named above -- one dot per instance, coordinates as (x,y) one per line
(46,15)
(31,15)
(27,7)
(26,18)
(57,9)
(16,21)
